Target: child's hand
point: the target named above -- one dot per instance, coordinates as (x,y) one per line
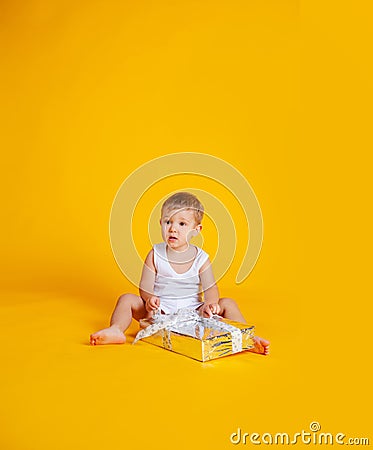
(208,309)
(152,303)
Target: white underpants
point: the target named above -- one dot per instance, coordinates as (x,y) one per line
(171,306)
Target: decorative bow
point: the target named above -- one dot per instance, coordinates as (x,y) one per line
(186,317)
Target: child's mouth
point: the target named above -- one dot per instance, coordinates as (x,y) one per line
(172,238)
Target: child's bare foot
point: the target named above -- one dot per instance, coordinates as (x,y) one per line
(261,346)
(111,335)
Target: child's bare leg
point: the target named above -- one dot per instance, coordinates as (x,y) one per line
(230,310)
(128,306)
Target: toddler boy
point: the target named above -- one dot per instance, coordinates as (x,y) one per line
(174,276)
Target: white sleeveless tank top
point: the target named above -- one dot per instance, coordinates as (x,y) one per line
(177,290)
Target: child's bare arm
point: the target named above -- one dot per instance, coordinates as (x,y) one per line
(210,290)
(146,288)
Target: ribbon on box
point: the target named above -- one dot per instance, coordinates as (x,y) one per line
(186,317)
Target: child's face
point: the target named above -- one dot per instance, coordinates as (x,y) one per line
(178,226)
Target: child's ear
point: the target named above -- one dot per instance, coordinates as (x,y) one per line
(196,230)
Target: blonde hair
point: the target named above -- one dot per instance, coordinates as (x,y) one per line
(185,200)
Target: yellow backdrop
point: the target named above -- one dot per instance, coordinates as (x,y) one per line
(93,90)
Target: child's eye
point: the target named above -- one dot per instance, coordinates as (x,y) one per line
(182,223)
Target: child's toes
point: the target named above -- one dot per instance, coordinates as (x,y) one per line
(95,339)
